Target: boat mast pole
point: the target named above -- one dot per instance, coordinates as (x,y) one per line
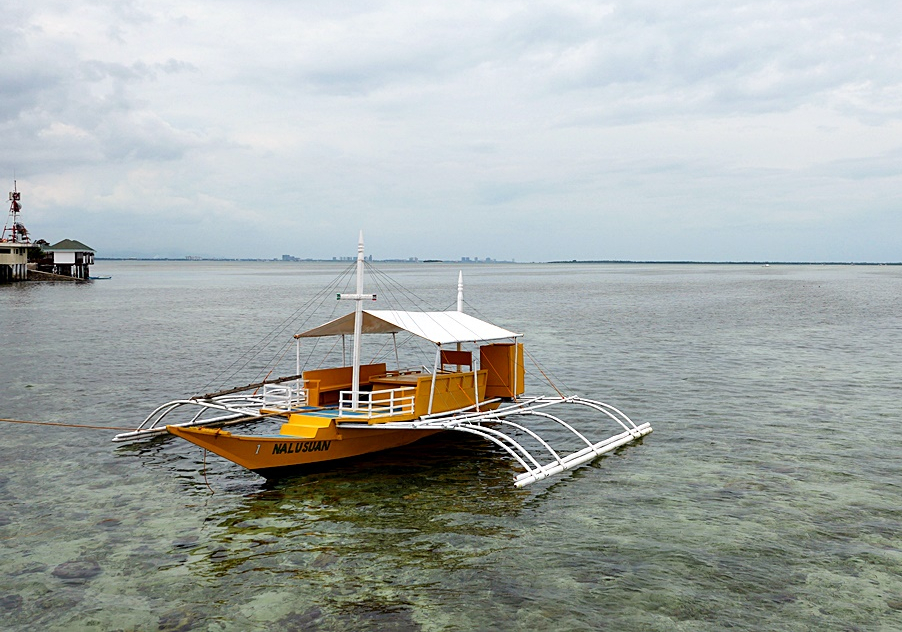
(460,302)
(358,323)
(358,326)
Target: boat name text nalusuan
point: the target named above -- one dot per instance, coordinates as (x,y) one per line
(301,446)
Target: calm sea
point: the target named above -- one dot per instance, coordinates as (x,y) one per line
(767,498)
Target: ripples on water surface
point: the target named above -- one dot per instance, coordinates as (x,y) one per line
(767,498)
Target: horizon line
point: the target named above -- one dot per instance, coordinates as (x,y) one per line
(762,262)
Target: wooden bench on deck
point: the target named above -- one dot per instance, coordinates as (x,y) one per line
(325,385)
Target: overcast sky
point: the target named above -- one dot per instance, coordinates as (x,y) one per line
(652,130)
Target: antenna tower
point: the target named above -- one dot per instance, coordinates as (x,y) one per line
(16,230)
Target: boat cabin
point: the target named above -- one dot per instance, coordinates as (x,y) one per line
(458,381)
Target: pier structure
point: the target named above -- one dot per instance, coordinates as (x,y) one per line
(14,243)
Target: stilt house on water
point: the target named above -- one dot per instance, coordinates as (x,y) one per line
(68,258)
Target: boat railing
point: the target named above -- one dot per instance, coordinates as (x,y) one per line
(375,404)
(285,396)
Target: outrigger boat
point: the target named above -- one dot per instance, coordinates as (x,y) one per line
(337,413)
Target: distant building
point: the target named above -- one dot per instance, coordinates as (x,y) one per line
(366,258)
(68,258)
(14,243)
(13,261)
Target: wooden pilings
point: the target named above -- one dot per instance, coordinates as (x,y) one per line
(12,272)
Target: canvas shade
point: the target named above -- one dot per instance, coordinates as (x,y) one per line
(437,327)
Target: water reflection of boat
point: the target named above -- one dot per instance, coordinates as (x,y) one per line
(476,385)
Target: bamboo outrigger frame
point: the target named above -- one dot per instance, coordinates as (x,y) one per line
(324,421)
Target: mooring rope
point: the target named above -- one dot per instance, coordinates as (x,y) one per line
(63,425)
(204,470)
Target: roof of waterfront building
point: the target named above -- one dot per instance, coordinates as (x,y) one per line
(69,245)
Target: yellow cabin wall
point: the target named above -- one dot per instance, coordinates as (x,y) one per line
(452,391)
(502,361)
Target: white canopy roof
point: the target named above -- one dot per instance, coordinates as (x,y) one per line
(437,327)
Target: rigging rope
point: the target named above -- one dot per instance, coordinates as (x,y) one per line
(391,286)
(309,308)
(547,379)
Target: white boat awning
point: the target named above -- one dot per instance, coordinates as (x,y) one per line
(437,327)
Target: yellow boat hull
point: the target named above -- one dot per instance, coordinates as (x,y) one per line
(270,455)
(321,432)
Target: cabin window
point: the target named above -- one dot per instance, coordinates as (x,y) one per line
(5,251)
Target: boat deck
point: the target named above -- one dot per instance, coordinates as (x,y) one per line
(328,412)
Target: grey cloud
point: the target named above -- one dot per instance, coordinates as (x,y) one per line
(140,136)
(879,167)
(640,118)
(174,66)
(94,70)
(714,58)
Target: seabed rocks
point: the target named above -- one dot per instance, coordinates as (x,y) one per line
(10,603)
(77,571)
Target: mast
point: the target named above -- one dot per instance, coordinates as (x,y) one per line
(460,305)
(358,326)
(358,297)
(17,231)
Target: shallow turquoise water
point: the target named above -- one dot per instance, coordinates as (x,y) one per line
(767,498)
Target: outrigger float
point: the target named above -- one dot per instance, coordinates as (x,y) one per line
(342,412)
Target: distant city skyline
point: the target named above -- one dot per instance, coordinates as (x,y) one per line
(339,259)
(489,260)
